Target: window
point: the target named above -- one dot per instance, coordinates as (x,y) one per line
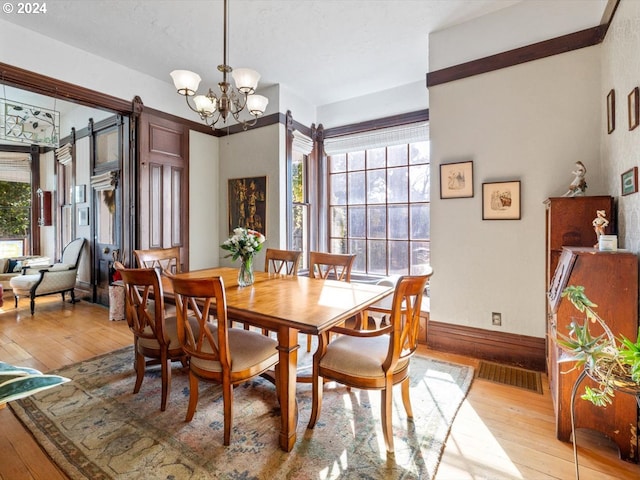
(300,220)
(299,157)
(15,204)
(379,208)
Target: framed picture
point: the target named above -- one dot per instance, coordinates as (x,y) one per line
(629,181)
(633,103)
(248,203)
(83,216)
(501,200)
(456,180)
(611,111)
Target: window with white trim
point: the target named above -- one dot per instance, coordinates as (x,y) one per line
(379,201)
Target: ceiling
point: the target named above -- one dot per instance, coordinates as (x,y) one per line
(325,51)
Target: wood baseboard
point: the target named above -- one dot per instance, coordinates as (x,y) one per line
(520,350)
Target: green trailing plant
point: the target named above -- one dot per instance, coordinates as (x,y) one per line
(613,363)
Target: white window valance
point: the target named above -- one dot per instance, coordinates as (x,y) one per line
(105,181)
(384,137)
(302,143)
(63,154)
(15,167)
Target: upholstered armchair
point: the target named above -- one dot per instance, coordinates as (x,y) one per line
(57,278)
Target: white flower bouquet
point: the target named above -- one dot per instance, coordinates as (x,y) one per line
(244,243)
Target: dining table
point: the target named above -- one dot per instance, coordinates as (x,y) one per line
(289,305)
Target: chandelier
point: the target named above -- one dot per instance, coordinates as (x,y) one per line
(213,107)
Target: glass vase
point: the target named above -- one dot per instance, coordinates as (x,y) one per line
(245,275)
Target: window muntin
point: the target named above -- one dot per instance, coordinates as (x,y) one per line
(379,208)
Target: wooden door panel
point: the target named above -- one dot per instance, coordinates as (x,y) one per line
(163,173)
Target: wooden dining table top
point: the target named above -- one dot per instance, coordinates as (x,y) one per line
(288,305)
(306,304)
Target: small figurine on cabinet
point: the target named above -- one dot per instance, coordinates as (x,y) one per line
(578,186)
(599,224)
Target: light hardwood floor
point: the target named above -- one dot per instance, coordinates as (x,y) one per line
(500,432)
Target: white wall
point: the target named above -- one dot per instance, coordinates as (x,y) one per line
(404,99)
(204,211)
(255,153)
(531,123)
(46,56)
(521,24)
(621,71)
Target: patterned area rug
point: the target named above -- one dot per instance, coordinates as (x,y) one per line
(94,427)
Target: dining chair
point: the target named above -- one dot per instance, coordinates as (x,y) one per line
(373,359)
(335,266)
(282,261)
(154,333)
(285,262)
(167,259)
(218,353)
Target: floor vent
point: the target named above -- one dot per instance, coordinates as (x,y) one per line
(508,375)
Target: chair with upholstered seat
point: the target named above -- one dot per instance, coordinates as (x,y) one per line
(373,359)
(47,280)
(285,262)
(282,261)
(217,353)
(334,266)
(155,334)
(166,259)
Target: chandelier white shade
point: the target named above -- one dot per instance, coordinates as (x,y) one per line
(216,107)
(185,81)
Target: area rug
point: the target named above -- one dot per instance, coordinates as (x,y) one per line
(94,427)
(512,376)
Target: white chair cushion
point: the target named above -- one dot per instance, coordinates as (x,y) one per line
(247,349)
(357,356)
(24,282)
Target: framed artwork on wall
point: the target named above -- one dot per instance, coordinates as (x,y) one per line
(248,203)
(629,181)
(633,103)
(501,200)
(456,180)
(611,111)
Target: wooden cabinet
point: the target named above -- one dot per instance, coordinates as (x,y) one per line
(569,224)
(611,281)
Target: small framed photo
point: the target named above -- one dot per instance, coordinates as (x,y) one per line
(629,181)
(633,101)
(611,111)
(501,200)
(83,216)
(456,180)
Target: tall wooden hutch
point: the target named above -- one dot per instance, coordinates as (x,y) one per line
(611,281)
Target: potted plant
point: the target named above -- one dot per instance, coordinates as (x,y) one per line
(613,363)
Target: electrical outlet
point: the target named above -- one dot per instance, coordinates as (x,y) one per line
(496,318)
